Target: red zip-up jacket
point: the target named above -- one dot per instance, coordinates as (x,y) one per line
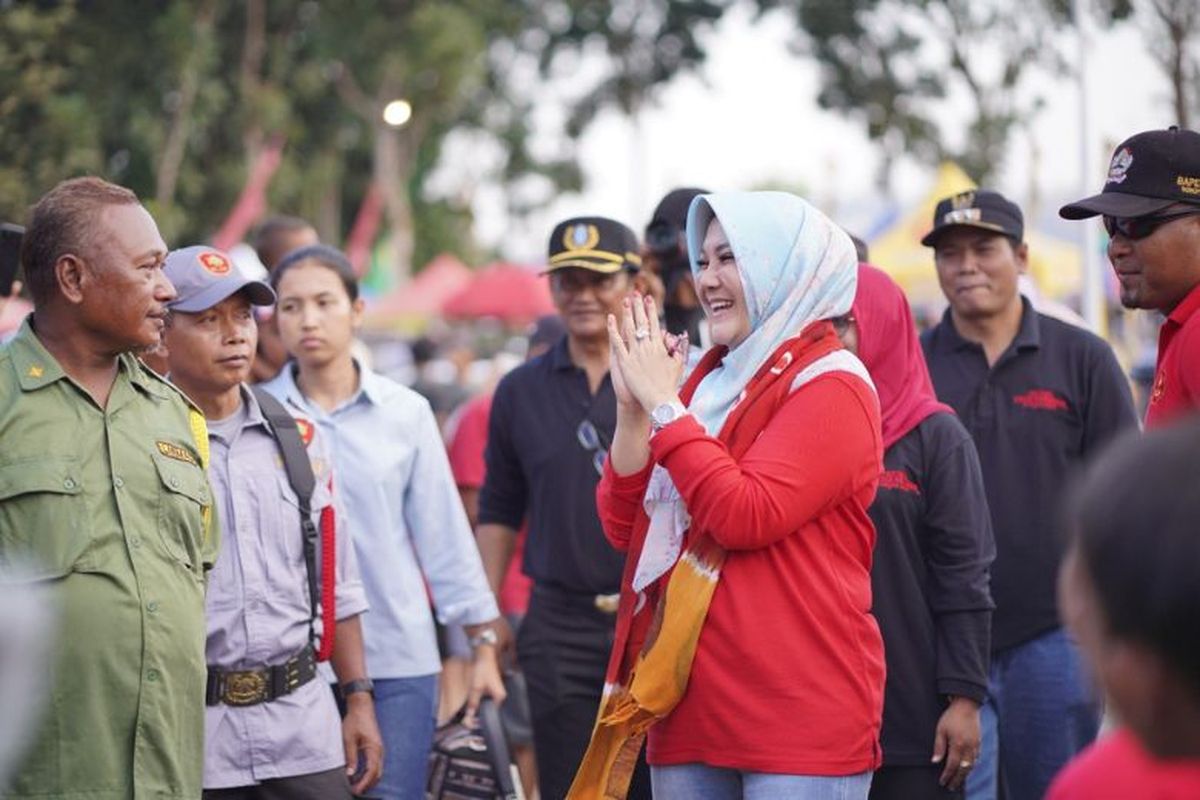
(788,675)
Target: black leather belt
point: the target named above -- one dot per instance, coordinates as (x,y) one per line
(250,687)
(604,603)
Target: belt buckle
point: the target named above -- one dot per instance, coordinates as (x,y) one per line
(607,603)
(244,688)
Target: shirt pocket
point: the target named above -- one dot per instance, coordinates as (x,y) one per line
(184,504)
(42,530)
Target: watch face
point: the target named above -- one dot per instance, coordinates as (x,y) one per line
(663,414)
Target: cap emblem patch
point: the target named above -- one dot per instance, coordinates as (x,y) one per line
(962,216)
(581,237)
(962,200)
(1121,163)
(215,263)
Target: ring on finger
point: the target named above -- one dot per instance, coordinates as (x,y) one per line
(965,765)
(641,333)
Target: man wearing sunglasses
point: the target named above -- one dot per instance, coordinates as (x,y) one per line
(1151,209)
(1038,396)
(551,424)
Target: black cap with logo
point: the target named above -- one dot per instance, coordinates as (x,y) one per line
(1148,172)
(977,208)
(596,243)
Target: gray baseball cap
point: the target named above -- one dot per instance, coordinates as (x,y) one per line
(204,276)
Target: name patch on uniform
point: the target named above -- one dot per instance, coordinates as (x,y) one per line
(176,452)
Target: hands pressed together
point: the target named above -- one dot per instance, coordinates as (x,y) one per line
(647,361)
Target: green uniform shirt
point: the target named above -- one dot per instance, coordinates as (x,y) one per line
(112,507)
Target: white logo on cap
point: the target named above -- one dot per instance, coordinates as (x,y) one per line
(1121,162)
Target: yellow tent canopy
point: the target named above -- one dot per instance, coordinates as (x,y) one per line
(1055,265)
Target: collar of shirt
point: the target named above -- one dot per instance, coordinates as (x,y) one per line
(1029,336)
(560,356)
(370,388)
(37,368)
(1186,308)
(252,417)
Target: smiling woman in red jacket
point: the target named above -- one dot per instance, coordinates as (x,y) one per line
(745,645)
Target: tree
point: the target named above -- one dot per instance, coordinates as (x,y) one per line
(910,68)
(178,98)
(1178,22)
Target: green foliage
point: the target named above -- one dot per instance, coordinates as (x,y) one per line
(176,98)
(900,64)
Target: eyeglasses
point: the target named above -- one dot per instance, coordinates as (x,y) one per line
(1134,228)
(589,439)
(575,280)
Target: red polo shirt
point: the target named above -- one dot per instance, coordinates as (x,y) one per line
(1176,389)
(1117,768)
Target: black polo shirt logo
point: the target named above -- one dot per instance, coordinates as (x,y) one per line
(1042,400)
(898,479)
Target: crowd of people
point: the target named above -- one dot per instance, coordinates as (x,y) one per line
(735,528)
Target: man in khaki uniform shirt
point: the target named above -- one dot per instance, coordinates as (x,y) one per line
(103,494)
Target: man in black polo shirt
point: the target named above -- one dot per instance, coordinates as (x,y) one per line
(551,424)
(1038,396)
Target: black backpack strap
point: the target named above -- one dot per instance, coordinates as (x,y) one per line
(300,476)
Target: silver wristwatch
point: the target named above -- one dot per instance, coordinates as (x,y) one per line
(485,636)
(666,413)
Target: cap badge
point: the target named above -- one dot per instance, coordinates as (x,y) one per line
(581,237)
(215,263)
(1120,165)
(962,200)
(962,216)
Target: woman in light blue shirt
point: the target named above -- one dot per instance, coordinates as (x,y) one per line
(402,507)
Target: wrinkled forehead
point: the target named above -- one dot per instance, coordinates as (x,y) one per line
(126,232)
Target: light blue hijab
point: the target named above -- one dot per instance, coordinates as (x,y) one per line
(796,267)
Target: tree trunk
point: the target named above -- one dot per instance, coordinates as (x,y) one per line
(254,48)
(1180,20)
(175,145)
(392,170)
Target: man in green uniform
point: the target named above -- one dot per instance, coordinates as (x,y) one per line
(103,495)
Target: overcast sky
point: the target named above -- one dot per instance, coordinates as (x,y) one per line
(750,117)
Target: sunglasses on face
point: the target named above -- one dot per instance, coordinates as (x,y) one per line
(1134,228)
(589,439)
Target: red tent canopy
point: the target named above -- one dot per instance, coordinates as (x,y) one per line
(442,278)
(515,294)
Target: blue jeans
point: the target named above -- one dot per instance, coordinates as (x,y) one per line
(406,709)
(1040,712)
(702,782)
